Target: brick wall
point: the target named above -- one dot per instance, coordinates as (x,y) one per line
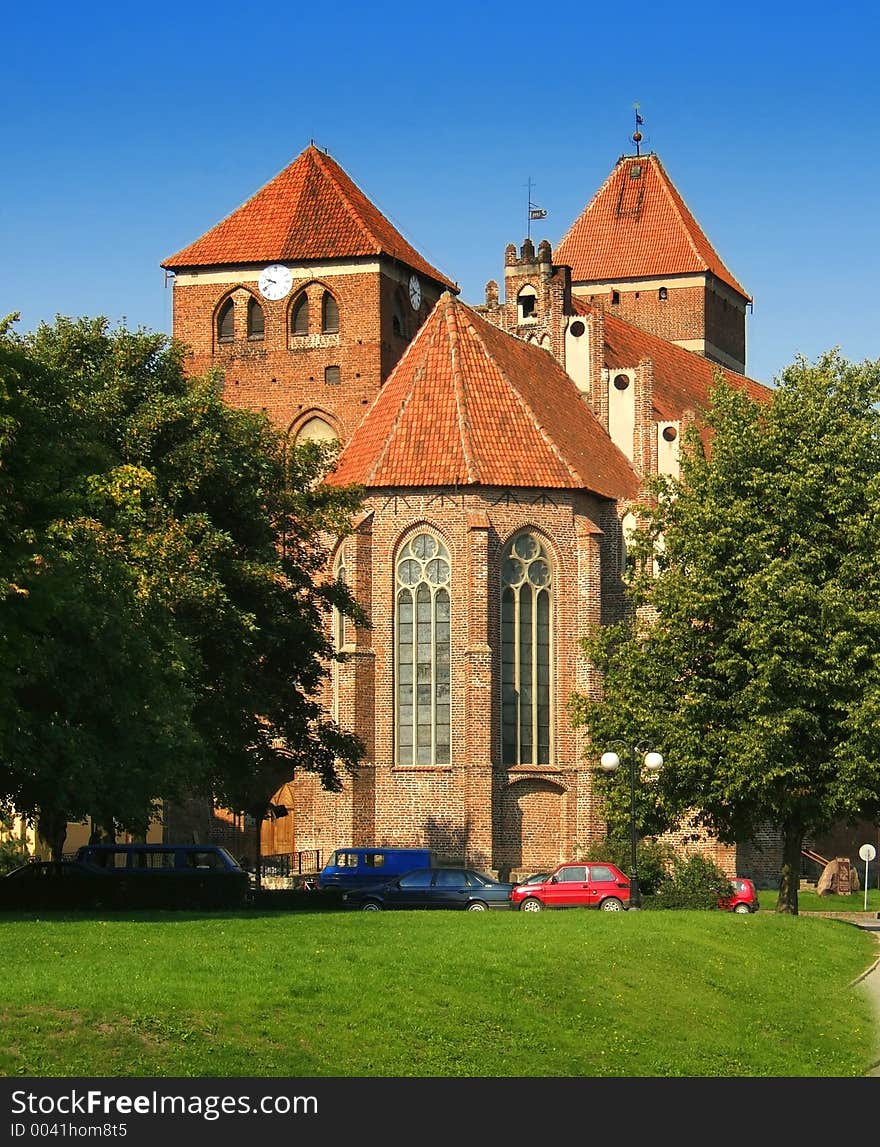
(475,809)
(283,374)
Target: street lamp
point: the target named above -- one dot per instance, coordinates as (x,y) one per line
(610,763)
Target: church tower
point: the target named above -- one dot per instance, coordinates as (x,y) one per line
(305,297)
(638,250)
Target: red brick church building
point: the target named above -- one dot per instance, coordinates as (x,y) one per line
(499,446)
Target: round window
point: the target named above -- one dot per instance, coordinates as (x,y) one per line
(670,433)
(577,328)
(621,381)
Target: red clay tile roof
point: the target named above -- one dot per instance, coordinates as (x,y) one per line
(470,405)
(638,228)
(682,378)
(311,210)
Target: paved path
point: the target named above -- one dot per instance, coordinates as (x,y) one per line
(870,978)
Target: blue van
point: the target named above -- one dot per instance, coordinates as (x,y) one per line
(166,875)
(354,867)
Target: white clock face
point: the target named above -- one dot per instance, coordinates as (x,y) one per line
(275,281)
(415,292)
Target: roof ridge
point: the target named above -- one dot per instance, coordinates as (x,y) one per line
(526,406)
(417,376)
(675,199)
(352,213)
(589,207)
(680,204)
(460,390)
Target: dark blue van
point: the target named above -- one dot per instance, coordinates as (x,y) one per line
(166,875)
(354,867)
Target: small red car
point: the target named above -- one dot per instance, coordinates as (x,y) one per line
(744,897)
(575,885)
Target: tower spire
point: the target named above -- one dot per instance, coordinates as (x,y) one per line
(637,135)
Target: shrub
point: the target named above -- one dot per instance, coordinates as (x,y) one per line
(653,858)
(692,882)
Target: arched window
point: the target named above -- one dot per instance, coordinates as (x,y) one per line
(526,302)
(299,316)
(628,526)
(338,623)
(226,322)
(316,429)
(329,315)
(526,587)
(422,652)
(256,321)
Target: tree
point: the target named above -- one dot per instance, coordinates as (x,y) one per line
(753,659)
(163,586)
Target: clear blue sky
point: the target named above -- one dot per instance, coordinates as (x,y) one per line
(131,129)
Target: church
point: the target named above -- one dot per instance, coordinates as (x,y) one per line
(499,446)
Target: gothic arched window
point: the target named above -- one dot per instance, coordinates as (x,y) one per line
(526,302)
(226,322)
(316,429)
(422,653)
(256,320)
(338,629)
(526,587)
(329,315)
(299,316)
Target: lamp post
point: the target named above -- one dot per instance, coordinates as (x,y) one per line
(610,763)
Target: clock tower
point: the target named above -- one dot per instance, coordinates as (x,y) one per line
(305,298)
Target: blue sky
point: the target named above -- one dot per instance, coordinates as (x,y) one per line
(132,129)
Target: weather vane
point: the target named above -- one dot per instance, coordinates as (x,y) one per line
(637,135)
(534,212)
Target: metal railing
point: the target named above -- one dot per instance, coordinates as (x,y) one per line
(291,863)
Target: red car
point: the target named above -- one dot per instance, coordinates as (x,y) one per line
(744,898)
(575,885)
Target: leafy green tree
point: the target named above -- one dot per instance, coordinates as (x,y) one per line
(163,593)
(753,660)
(654,858)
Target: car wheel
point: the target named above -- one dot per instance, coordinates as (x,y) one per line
(741,909)
(531,905)
(612,904)
(476,906)
(371,906)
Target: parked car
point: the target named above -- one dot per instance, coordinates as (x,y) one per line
(130,876)
(432,888)
(168,875)
(52,884)
(575,885)
(44,871)
(744,897)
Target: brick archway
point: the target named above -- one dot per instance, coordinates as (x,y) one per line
(529,820)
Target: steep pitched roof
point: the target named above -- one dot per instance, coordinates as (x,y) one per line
(470,405)
(682,378)
(311,210)
(638,228)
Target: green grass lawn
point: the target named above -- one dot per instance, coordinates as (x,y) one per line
(809,901)
(447,994)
